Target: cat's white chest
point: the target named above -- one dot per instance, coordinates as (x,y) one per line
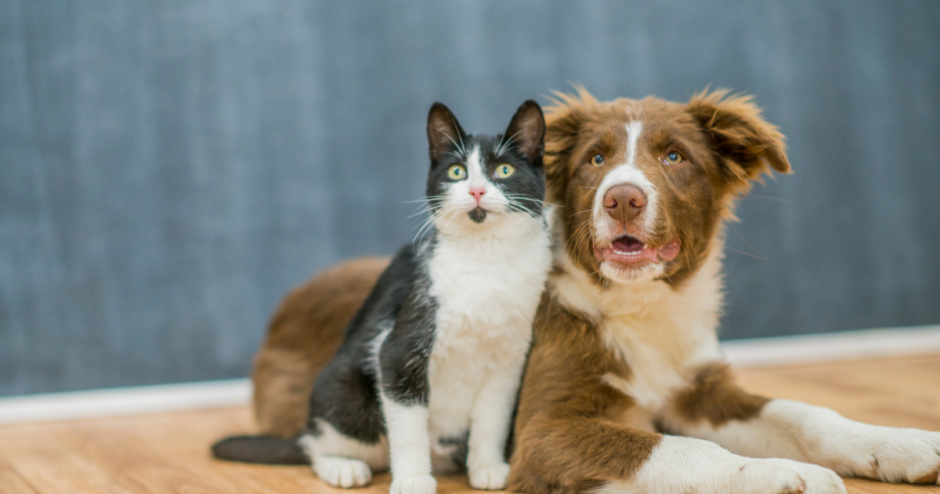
(487,295)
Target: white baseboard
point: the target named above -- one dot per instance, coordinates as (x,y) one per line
(756,352)
(125,401)
(831,347)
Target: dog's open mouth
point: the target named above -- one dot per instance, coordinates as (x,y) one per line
(631,250)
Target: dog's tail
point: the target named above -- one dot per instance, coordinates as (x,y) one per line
(260,449)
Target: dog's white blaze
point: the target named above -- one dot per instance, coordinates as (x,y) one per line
(626,173)
(634,129)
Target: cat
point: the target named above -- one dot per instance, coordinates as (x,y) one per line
(427,376)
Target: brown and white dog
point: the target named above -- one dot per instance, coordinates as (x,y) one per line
(625,388)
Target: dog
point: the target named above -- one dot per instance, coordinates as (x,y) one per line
(625,389)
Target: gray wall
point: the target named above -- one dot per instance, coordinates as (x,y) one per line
(168,169)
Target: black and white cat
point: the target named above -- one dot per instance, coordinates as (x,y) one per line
(427,376)
(438,348)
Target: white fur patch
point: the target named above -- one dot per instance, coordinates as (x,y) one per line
(475,173)
(409,444)
(680,464)
(341,461)
(331,442)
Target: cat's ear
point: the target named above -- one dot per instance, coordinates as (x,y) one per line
(444,132)
(526,131)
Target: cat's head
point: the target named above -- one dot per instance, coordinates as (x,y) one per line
(478,181)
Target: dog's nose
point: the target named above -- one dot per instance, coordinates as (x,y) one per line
(624,202)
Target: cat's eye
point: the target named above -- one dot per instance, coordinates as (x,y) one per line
(673,158)
(504,171)
(597,160)
(457,172)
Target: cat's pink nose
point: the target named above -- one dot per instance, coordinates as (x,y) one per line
(477,193)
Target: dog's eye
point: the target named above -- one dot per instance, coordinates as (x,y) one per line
(457,172)
(673,158)
(504,170)
(597,160)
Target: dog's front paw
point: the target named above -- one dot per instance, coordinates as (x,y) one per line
(489,477)
(777,476)
(416,484)
(899,455)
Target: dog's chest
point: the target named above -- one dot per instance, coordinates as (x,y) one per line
(661,348)
(661,334)
(656,367)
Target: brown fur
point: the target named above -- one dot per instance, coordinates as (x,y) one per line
(715,397)
(570,436)
(302,338)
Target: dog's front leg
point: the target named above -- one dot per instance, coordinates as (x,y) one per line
(682,464)
(717,410)
(601,456)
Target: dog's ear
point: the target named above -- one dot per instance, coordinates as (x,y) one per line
(563,121)
(744,144)
(444,131)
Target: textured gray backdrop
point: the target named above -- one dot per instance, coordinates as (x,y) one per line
(168,169)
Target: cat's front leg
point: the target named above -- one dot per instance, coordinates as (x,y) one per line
(489,428)
(404,391)
(410,447)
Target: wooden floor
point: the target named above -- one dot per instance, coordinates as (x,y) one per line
(169,452)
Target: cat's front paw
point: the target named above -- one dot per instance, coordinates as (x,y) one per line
(899,455)
(417,484)
(342,472)
(489,477)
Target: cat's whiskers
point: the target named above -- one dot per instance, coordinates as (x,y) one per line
(425,199)
(523,197)
(428,204)
(426,225)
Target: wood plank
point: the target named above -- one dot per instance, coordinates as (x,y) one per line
(169,452)
(54,470)
(12,483)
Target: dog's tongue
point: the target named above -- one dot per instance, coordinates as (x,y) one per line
(628,249)
(627,245)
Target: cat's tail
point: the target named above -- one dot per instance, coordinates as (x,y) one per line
(260,449)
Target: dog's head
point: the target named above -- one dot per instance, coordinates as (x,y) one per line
(645,184)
